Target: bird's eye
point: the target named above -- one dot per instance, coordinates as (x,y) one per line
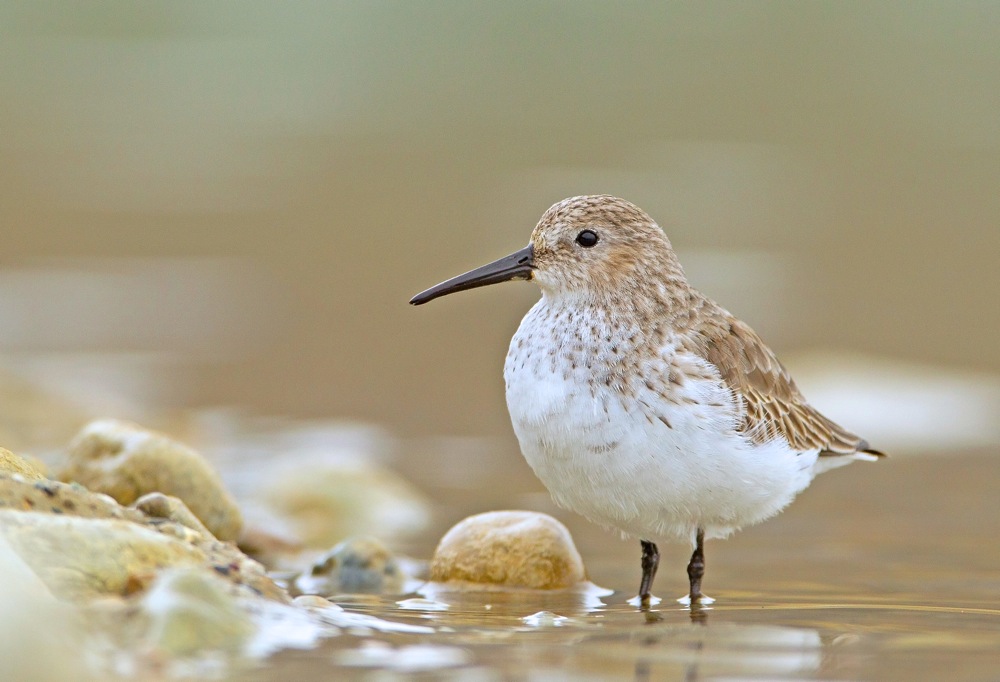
(587,238)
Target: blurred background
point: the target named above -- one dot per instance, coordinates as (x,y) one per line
(227,205)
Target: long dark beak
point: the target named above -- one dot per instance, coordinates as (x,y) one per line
(517,265)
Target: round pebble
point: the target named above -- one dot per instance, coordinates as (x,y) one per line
(126,461)
(510,548)
(356,565)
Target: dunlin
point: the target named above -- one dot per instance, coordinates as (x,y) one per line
(639,402)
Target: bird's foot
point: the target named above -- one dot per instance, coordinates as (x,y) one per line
(703,600)
(637,601)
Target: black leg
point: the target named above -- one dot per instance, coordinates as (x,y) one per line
(696,567)
(650,562)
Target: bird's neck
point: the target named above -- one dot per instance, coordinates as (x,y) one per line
(611,326)
(666,300)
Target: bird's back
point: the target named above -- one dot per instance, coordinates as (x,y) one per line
(771,404)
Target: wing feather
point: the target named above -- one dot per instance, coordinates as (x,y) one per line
(772,402)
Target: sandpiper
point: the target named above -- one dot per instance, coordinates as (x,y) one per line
(639,402)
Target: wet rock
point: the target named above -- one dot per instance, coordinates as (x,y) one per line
(190,611)
(77,557)
(356,565)
(190,623)
(40,638)
(54,497)
(160,506)
(83,544)
(511,548)
(127,462)
(328,501)
(15,464)
(17,578)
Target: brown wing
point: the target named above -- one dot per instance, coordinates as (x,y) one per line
(774,405)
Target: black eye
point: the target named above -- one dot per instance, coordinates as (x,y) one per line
(586,239)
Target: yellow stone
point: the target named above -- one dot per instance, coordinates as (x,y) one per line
(80,557)
(126,461)
(510,548)
(83,544)
(15,464)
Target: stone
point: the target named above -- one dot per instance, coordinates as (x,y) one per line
(127,461)
(329,501)
(41,639)
(356,565)
(54,497)
(189,611)
(84,545)
(160,506)
(79,557)
(189,623)
(509,548)
(15,464)
(17,578)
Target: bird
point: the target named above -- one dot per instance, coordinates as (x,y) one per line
(639,402)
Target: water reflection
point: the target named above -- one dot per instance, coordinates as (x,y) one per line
(755,651)
(502,638)
(578,600)
(602,642)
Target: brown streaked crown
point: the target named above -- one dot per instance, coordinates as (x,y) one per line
(632,251)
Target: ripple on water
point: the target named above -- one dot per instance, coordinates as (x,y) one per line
(420,604)
(546,619)
(412,658)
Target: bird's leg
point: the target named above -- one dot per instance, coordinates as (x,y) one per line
(696,567)
(650,562)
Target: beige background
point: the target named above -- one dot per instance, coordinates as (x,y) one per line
(230,203)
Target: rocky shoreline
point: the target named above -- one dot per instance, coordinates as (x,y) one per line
(146,558)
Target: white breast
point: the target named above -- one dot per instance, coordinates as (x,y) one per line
(614,449)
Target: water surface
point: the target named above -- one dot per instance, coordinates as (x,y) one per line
(849,583)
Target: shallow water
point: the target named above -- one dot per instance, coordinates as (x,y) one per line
(844,585)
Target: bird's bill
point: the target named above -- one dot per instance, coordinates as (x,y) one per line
(517,265)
